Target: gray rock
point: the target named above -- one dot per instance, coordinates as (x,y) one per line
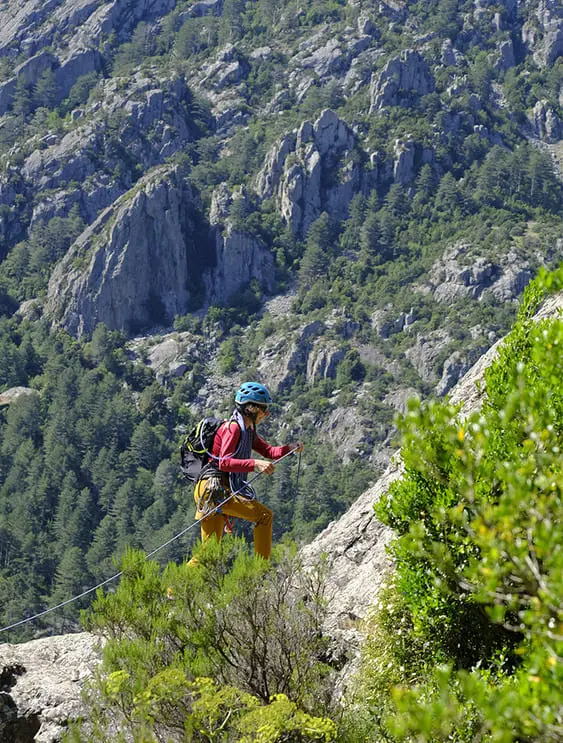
(425,352)
(202,8)
(281,359)
(297,168)
(401,78)
(547,124)
(14,393)
(239,259)
(79,63)
(170,355)
(399,398)
(366,26)
(386,322)
(221,201)
(83,24)
(152,125)
(455,367)
(542,33)
(30,71)
(43,681)
(355,548)
(228,69)
(133,261)
(449,56)
(404,162)
(515,278)
(456,275)
(507,58)
(327,60)
(323,361)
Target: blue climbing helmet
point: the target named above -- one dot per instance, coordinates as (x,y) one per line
(253,392)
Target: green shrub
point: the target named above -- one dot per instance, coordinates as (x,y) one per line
(225,649)
(479,564)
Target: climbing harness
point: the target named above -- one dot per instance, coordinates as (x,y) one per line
(147,556)
(212,492)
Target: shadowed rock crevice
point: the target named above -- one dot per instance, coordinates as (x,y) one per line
(13,727)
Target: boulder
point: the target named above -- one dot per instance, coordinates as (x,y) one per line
(14,393)
(41,686)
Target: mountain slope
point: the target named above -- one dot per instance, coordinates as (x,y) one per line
(344,200)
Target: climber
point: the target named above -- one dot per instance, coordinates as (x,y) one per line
(229,465)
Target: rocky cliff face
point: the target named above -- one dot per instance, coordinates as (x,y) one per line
(142,258)
(132,263)
(137,120)
(313,170)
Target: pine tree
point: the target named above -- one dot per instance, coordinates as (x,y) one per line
(318,251)
(21,100)
(45,92)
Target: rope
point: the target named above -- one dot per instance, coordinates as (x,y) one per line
(298,472)
(147,556)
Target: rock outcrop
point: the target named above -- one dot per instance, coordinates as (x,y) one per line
(41,684)
(458,275)
(546,122)
(312,170)
(403,79)
(14,393)
(543,32)
(239,256)
(132,266)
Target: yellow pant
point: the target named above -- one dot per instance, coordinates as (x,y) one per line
(249,510)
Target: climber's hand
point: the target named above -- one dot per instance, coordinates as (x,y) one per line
(261,465)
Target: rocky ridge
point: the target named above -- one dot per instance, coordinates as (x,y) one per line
(139,257)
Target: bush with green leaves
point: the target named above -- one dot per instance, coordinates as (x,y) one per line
(478,553)
(226,647)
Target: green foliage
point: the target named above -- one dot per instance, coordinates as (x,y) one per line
(223,648)
(479,567)
(80,466)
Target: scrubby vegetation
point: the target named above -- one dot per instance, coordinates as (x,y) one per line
(466,644)
(228,648)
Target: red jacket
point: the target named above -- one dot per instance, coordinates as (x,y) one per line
(225,445)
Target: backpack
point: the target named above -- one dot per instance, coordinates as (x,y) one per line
(195,451)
